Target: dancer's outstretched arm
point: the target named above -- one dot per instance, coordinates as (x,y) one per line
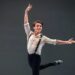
(26,19)
(27,10)
(61,42)
(58,41)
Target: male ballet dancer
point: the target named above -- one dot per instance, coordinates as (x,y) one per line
(35,42)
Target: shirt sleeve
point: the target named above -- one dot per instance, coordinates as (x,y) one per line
(27,28)
(49,40)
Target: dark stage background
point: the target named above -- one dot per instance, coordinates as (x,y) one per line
(59,22)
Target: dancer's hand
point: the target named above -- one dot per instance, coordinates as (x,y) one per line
(29,7)
(71,40)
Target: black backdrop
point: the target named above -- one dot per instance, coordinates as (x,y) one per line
(59,22)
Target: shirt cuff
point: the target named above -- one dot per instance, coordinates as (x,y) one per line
(26,24)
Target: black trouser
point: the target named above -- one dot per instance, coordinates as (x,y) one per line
(34,62)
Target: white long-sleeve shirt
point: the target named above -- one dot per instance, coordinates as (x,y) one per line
(32,41)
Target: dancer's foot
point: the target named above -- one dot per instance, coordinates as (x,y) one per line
(58,62)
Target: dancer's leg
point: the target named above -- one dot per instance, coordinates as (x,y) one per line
(51,64)
(34,62)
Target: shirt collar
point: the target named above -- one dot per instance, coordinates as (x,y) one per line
(39,35)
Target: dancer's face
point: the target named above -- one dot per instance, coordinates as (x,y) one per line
(37,28)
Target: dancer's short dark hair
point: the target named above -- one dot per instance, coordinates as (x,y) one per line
(37,21)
